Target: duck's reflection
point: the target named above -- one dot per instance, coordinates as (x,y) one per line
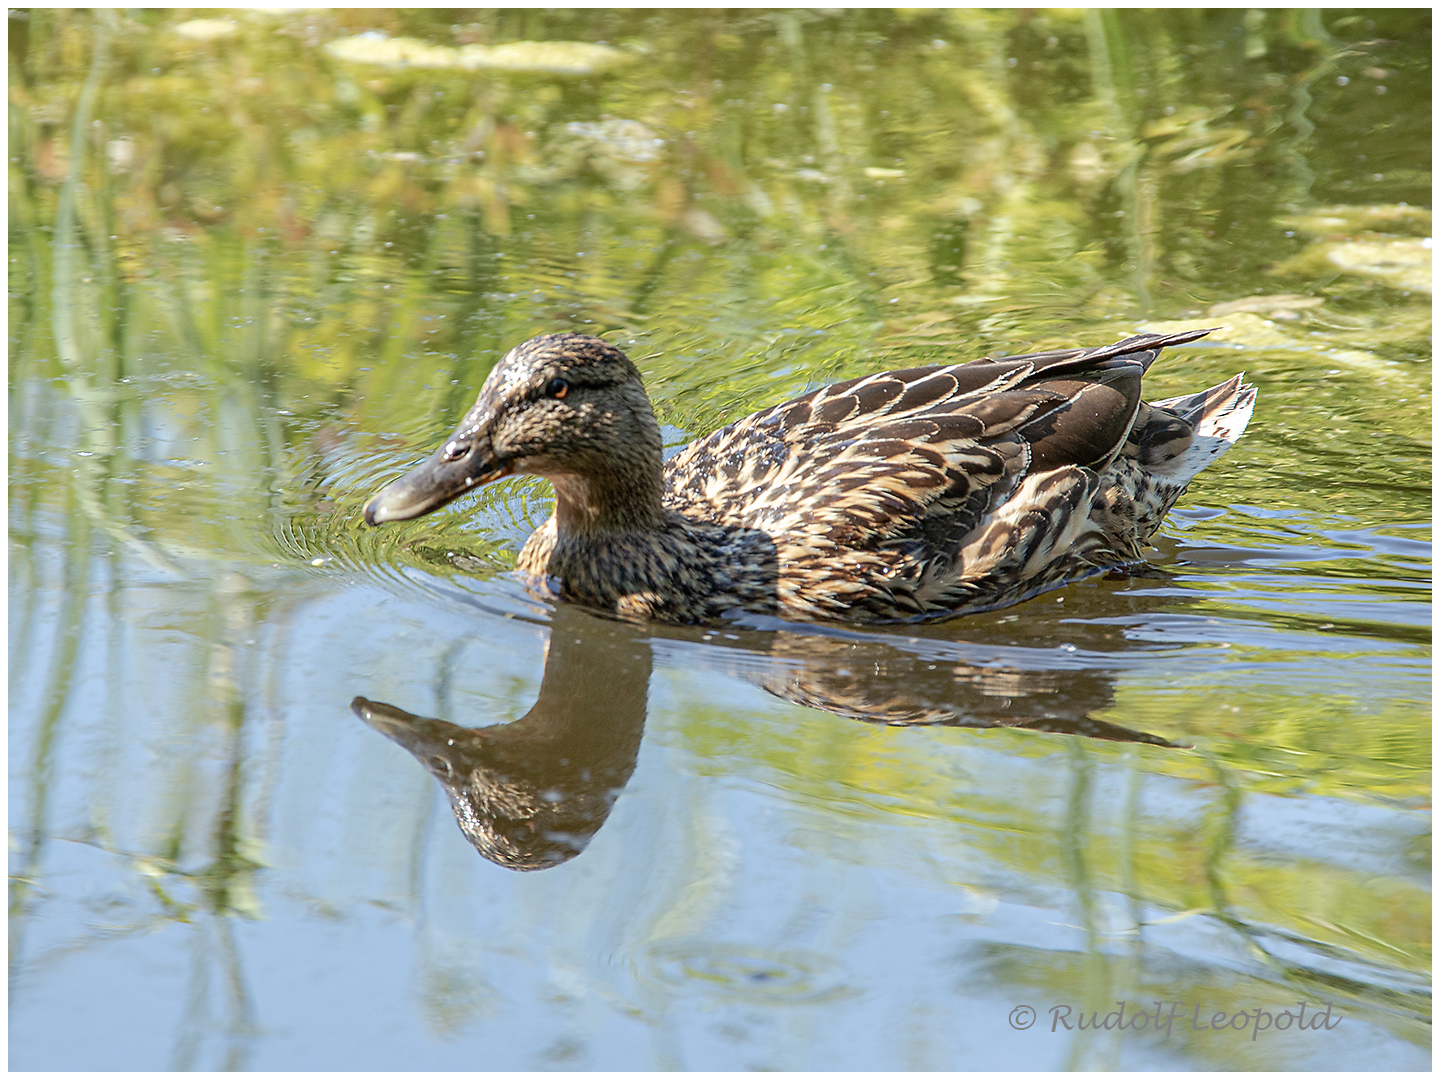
(531,794)
(882,684)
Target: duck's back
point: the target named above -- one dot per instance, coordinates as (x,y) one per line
(930,490)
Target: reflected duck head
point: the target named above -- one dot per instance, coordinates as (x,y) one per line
(517,813)
(568,407)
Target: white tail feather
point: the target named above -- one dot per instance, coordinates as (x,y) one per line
(1220,415)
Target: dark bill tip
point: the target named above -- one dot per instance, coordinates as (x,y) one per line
(402,500)
(433,741)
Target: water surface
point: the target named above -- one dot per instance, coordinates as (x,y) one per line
(260,263)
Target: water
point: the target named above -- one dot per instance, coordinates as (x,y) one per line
(252,279)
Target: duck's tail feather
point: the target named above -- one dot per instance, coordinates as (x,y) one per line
(1218,416)
(1146,347)
(1139,349)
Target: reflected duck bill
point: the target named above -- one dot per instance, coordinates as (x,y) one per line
(418,734)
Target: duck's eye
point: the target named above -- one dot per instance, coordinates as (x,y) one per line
(557,388)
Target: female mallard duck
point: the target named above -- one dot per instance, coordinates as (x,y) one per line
(897,496)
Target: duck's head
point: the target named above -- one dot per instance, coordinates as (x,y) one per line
(568,407)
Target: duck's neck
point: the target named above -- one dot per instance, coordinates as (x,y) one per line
(609,502)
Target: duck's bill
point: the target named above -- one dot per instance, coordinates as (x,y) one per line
(421,735)
(428,487)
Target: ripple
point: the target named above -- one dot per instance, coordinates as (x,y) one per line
(320,525)
(745,973)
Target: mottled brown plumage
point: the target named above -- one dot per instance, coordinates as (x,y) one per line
(897,496)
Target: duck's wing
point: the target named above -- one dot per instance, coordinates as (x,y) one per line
(983,463)
(897,444)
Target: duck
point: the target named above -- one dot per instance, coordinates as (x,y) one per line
(898,496)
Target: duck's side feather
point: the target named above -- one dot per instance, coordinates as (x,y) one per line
(929,490)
